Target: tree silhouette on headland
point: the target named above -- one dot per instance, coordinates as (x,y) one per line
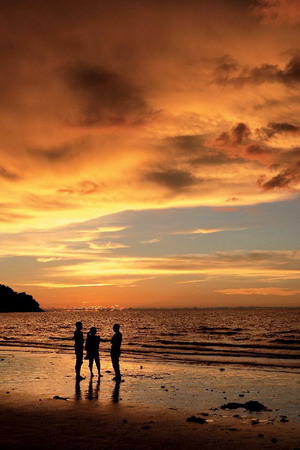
(11,301)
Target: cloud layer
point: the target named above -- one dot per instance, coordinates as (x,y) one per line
(149,106)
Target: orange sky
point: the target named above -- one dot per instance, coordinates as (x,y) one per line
(150,152)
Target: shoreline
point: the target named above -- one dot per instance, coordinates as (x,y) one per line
(148,410)
(239,361)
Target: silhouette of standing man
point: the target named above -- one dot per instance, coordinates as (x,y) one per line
(115,351)
(78,338)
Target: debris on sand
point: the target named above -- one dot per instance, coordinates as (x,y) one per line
(252,406)
(195,419)
(57,397)
(284,419)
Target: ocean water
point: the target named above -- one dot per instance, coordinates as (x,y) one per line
(268,338)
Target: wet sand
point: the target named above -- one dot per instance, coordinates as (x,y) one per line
(148,410)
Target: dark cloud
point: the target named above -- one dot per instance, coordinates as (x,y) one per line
(8,175)
(240,132)
(194,151)
(172,178)
(239,75)
(214,159)
(281,180)
(255,149)
(277,12)
(238,135)
(105,98)
(188,143)
(280,128)
(58,153)
(253,146)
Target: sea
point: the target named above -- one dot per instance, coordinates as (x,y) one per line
(262,338)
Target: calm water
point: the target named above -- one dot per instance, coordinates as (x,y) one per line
(268,337)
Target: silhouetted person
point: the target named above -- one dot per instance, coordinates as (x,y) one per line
(115,351)
(79,341)
(92,350)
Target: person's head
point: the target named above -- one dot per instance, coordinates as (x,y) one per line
(116,327)
(79,325)
(93,331)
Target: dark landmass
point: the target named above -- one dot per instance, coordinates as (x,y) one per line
(11,301)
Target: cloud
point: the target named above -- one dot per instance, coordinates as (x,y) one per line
(258,146)
(85,187)
(260,291)
(192,149)
(8,175)
(151,241)
(10,217)
(60,153)
(107,246)
(256,265)
(103,111)
(174,179)
(185,143)
(280,128)
(241,143)
(105,98)
(265,73)
(282,180)
(278,12)
(111,229)
(208,230)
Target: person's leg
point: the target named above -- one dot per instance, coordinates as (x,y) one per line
(79,360)
(115,358)
(91,359)
(97,361)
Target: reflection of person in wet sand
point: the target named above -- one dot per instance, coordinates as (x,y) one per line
(115,352)
(92,350)
(116,393)
(77,390)
(78,338)
(93,391)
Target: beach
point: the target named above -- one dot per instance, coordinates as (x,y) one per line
(42,406)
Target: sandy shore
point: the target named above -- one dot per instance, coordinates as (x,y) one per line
(148,410)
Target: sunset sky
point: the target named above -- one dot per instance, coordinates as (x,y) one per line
(150,152)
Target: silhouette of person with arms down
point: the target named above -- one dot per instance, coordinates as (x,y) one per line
(115,351)
(92,350)
(79,341)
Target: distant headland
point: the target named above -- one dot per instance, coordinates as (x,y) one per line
(11,301)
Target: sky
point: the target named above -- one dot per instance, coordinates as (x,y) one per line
(150,152)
